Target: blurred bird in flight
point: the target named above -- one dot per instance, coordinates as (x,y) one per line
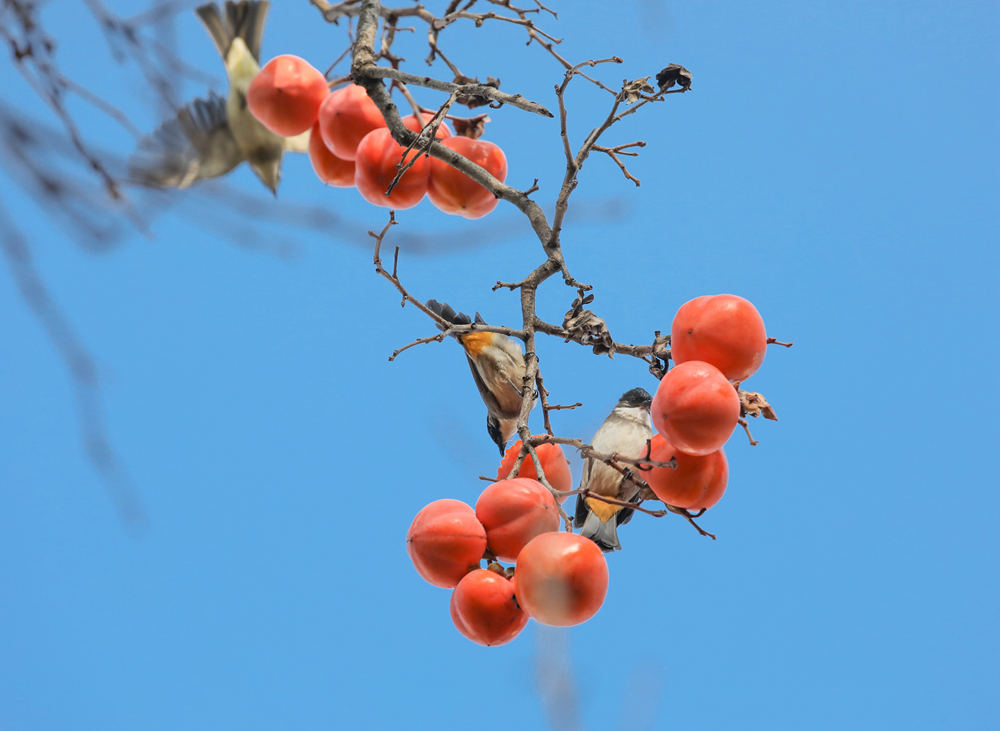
(209,137)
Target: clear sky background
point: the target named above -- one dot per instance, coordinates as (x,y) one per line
(836,163)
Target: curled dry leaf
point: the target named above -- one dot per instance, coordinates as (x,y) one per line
(632,91)
(586,328)
(674,74)
(474,100)
(472,127)
(754,404)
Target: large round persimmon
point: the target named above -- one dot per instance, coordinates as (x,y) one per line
(553,461)
(328,167)
(345,117)
(724,330)
(513,512)
(484,608)
(697,482)
(285,95)
(561,579)
(452,191)
(695,407)
(445,542)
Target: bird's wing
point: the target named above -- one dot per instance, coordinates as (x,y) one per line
(582,509)
(298,143)
(195,145)
(244,19)
(211,18)
(488,397)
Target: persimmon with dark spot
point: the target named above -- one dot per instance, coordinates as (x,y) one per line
(484,608)
(724,330)
(445,542)
(695,407)
(554,465)
(452,191)
(513,512)
(561,579)
(697,482)
(285,95)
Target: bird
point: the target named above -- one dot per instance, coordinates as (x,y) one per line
(209,137)
(625,432)
(498,368)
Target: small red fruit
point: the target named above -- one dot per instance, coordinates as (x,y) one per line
(484,608)
(455,192)
(445,542)
(697,482)
(553,461)
(375,169)
(695,407)
(562,579)
(724,330)
(345,117)
(328,167)
(513,512)
(285,95)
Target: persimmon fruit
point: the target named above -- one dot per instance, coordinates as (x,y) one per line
(445,542)
(345,117)
(452,191)
(553,461)
(485,610)
(285,95)
(697,482)
(375,168)
(724,330)
(695,407)
(513,512)
(561,579)
(329,168)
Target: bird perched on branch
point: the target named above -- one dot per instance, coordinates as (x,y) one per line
(498,369)
(625,432)
(209,137)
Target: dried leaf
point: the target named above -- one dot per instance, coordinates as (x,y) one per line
(633,90)
(474,100)
(674,74)
(754,404)
(472,127)
(586,328)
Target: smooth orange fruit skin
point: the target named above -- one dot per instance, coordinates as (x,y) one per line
(724,330)
(484,609)
(553,461)
(513,512)
(455,192)
(695,408)
(697,482)
(445,542)
(345,117)
(375,168)
(328,167)
(285,95)
(561,579)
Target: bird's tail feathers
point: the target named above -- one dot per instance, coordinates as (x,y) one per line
(244,19)
(605,534)
(447,312)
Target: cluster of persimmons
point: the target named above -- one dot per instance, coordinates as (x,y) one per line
(561,578)
(351,146)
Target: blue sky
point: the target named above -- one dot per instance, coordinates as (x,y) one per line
(836,164)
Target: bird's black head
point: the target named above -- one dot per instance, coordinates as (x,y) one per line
(636,398)
(493,427)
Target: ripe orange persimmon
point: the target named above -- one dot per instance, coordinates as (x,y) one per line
(513,512)
(724,330)
(697,482)
(695,407)
(375,168)
(484,608)
(553,461)
(285,95)
(345,117)
(328,167)
(455,192)
(561,579)
(445,542)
